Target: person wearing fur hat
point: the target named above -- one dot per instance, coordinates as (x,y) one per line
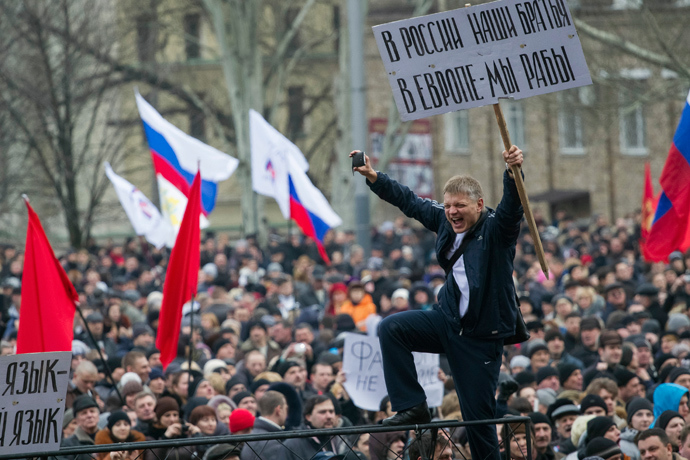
(169,425)
(119,430)
(640,416)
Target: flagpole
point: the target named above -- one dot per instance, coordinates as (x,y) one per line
(109,374)
(191,343)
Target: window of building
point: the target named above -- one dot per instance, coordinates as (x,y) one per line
(570,121)
(192,39)
(295,111)
(457,131)
(514,114)
(633,136)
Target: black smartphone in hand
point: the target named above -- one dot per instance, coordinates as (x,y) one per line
(357,160)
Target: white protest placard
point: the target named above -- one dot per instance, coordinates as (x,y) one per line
(32,401)
(473,56)
(363,367)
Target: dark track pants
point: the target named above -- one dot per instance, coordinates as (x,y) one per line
(474,363)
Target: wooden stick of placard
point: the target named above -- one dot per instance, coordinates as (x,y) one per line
(519,183)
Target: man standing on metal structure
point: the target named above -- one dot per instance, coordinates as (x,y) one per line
(477,305)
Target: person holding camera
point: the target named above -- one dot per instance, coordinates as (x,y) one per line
(477,306)
(169,425)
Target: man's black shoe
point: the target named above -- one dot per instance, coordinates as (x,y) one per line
(416,415)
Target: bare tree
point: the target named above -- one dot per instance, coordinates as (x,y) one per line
(57,104)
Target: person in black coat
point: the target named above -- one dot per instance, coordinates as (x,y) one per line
(477,306)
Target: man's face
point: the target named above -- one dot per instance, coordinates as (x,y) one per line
(155,360)
(644,356)
(551,382)
(540,359)
(574,382)
(87,419)
(281,334)
(321,376)
(395,449)
(85,381)
(653,449)
(565,424)
(542,433)
(629,390)
(616,297)
(227,351)
(256,364)
(556,346)
(611,354)
(595,410)
(572,325)
(461,211)
(144,408)
(304,335)
(144,340)
(683,380)
(141,368)
(257,335)
(96,328)
(589,337)
(157,385)
(609,400)
(293,376)
(323,415)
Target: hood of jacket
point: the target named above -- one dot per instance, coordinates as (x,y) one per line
(667,397)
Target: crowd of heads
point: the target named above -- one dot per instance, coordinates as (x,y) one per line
(264,336)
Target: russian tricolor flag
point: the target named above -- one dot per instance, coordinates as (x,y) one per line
(672,214)
(176,158)
(279,170)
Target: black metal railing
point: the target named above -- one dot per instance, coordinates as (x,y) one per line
(442,432)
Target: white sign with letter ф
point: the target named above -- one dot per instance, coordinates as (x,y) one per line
(363,367)
(32,401)
(473,56)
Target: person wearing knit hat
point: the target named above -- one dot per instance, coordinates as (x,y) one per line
(538,355)
(546,397)
(119,429)
(168,423)
(259,387)
(86,413)
(628,384)
(241,421)
(234,386)
(570,376)
(547,377)
(201,387)
(640,417)
(603,427)
(245,400)
(518,364)
(69,424)
(593,405)
(672,423)
(680,376)
(542,434)
(602,447)
(285,366)
(525,378)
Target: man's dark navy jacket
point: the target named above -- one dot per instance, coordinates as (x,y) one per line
(488,257)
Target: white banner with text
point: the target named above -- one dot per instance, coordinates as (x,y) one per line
(363,367)
(471,57)
(32,401)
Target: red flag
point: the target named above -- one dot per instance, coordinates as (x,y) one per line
(648,208)
(182,276)
(46,315)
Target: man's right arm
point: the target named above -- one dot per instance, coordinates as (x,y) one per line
(429,213)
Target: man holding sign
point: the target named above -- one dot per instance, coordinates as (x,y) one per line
(477,305)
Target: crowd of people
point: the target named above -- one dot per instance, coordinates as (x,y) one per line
(605,373)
